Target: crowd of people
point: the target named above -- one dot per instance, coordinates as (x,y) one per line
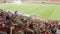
(25,24)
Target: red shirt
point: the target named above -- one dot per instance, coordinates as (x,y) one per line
(14,30)
(10,22)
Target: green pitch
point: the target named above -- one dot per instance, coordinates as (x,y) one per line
(47,11)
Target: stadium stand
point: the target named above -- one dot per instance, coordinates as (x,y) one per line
(31,0)
(41,1)
(9,0)
(6,0)
(14,23)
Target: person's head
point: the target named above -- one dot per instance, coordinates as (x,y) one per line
(19,25)
(1,10)
(16,12)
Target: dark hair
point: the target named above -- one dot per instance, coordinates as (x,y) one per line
(31,26)
(16,12)
(19,25)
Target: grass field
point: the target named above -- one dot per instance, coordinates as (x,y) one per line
(47,11)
